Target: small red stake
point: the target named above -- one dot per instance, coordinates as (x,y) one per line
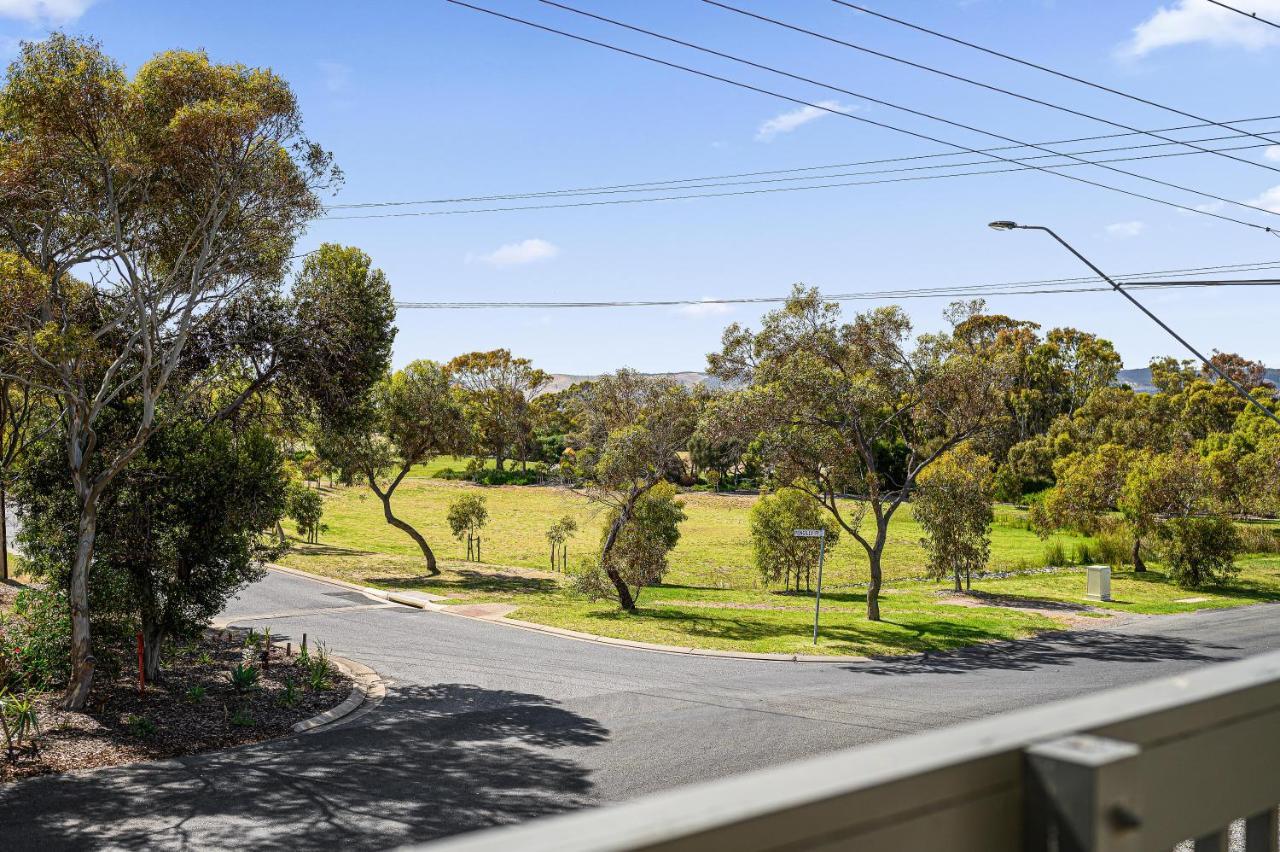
(142,670)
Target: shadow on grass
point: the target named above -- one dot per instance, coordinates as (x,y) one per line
(1058,648)
(912,636)
(430,762)
(298,547)
(1022,602)
(467,580)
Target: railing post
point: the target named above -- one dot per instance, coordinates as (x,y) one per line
(1214,841)
(1081,795)
(1260,832)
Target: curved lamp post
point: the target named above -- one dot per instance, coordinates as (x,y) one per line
(1006,225)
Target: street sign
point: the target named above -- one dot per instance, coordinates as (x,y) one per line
(821,535)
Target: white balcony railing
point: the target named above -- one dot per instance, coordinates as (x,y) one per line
(1140,768)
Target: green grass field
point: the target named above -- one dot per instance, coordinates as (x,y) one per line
(713,596)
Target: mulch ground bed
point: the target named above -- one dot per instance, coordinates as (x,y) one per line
(196,708)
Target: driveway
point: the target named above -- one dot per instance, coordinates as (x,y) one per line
(486,724)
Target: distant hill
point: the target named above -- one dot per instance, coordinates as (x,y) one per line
(560,381)
(1139,378)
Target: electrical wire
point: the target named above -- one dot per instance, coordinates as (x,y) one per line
(1253,15)
(827,109)
(656,185)
(1018,288)
(714,182)
(1064,75)
(568,194)
(958,77)
(890,104)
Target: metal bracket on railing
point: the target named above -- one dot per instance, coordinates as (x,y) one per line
(1081,795)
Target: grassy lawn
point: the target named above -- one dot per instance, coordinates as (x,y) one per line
(713,597)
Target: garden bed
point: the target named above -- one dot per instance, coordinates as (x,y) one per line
(196,708)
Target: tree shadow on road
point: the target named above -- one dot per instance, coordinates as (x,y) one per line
(431,761)
(1059,648)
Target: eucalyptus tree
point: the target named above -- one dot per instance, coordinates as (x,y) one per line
(407,419)
(631,429)
(181,189)
(851,413)
(496,389)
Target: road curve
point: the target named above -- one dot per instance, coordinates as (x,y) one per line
(485,724)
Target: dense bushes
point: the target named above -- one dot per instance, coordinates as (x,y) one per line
(535,475)
(1199,551)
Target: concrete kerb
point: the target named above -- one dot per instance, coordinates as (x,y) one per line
(421,603)
(367,689)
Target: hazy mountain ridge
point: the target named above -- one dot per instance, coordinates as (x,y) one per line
(1138,378)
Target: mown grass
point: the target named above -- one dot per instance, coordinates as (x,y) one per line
(713,598)
(715,540)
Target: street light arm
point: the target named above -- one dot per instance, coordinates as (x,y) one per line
(1105,277)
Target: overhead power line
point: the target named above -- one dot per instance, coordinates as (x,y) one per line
(832,111)
(1046,69)
(988,170)
(910,111)
(1253,15)
(653,186)
(957,77)
(1085,284)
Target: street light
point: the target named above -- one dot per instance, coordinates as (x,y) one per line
(1006,225)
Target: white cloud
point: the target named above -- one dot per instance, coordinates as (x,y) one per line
(1273,153)
(1126,229)
(1197,21)
(705,308)
(1269,200)
(44,11)
(789,121)
(515,254)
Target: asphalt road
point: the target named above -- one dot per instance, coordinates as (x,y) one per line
(486,724)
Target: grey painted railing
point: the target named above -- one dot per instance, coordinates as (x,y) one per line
(1140,768)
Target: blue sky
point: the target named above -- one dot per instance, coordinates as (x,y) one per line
(428,100)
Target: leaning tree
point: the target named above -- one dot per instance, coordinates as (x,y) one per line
(408,418)
(851,413)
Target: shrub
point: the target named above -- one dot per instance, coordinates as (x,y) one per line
(245,677)
(242,719)
(1083,554)
(195,694)
(779,554)
(290,696)
(140,726)
(19,721)
(1258,538)
(1199,551)
(1055,555)
(306,507)
(1114,547)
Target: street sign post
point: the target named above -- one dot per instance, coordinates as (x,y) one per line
(821,536)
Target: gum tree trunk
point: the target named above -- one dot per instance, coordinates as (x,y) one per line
(152,644)
(1138,565)
(82,659)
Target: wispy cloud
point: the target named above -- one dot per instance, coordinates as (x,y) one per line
(706,308)
(1269,200)
(1273,153)
(1126,229)
(516,254)
(336,76)
(789,121)
(1196,21)
(53,12)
